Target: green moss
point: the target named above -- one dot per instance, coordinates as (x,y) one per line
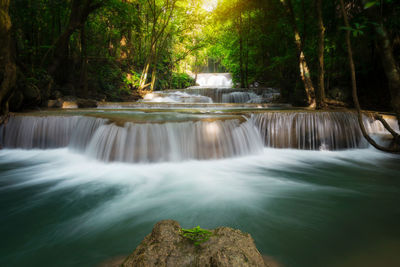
(197,235)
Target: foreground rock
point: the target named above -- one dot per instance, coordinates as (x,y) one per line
(165,246)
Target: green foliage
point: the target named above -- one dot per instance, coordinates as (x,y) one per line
(197,235)
(371,4)
(181,80)
(250,39)
(356,30)
(131,79)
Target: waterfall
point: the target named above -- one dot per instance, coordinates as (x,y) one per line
(233,95)
(241,97)
(38,132)
(84,130)
(214,79)
(134,142)
(175,97)
(199,140)
(29,132)
(174,141)
(214,95)
(316,130)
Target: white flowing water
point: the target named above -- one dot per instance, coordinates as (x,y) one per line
(241,97)
(62,209)
(175,97)
(179,141)
(174,141)
(214,80)
(214,88)
(234,95)
(134,142)
(79,189)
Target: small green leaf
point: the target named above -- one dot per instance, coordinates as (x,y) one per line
(370,4)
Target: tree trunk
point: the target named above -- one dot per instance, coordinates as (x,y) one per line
(384,45)
(304,69)
(242,81)
(390,67)
(146,68)
(7,65)
(83,81)
(248,29)
(320,92)
(153,79)
(80,12)
(395,148)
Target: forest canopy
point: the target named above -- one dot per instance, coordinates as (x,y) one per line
(116,50)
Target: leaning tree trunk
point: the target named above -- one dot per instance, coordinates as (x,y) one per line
(145,72)
(7,65)
(320,92)
(304,69)
(394,148)
(80,12)
(391,68)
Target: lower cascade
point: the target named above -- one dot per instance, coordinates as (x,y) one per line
(134,142)
(176,141)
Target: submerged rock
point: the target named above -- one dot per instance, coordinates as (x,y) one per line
(165,246)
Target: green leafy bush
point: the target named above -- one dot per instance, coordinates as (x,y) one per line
(132,79)
(181,81)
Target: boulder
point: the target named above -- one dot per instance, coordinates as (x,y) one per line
(86,103)
(69,105)
(58,103)
(166,246)
(56,94)
(31,95)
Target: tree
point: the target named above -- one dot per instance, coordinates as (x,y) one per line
(320,92)
(7,65)
(304,68)
(159,17)
(385,48)
(396,138)
(80,11)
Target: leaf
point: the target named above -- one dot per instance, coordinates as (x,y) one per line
(346,28)
(370,4)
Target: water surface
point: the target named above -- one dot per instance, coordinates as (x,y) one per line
(303,208)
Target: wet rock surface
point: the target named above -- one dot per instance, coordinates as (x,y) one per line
(87,103)
(165,246)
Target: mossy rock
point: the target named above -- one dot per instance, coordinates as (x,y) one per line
(166,246)
(31,95)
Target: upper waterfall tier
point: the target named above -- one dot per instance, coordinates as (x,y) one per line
(189,140)
(214,79)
